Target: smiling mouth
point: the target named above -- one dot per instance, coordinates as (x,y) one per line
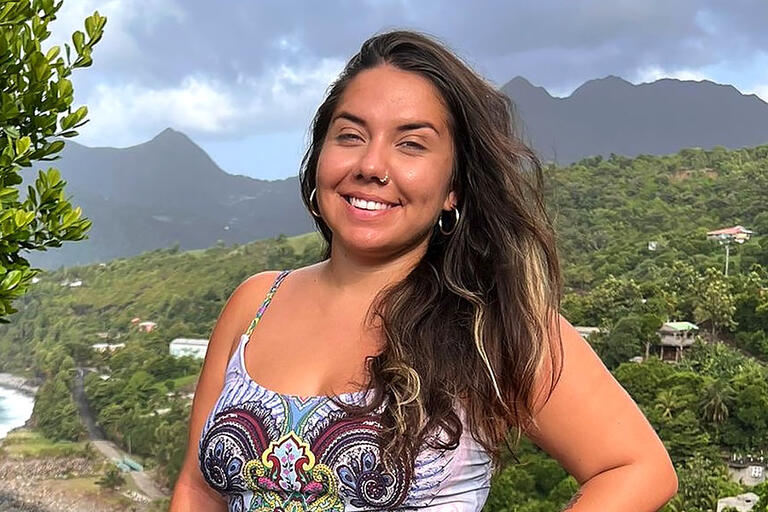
(362,204)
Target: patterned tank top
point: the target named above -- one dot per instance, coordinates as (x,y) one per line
(268,451)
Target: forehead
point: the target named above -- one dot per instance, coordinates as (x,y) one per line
(386,93)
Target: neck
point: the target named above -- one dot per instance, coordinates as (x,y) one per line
(353,274)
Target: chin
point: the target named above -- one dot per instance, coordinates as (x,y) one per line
(365,242)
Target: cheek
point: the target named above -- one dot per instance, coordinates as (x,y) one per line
(332,164)
(427,183)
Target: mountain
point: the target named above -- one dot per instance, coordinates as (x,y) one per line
(611,115)
(166,191)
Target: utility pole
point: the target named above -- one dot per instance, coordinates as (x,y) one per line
(726,236)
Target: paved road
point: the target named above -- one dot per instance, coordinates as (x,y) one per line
(144,481)
(94,431)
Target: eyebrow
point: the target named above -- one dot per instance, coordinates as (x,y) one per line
(402,128)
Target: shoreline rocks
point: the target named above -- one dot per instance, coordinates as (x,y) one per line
(8,380)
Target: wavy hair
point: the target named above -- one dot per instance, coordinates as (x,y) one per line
(473,320)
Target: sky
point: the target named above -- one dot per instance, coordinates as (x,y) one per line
(243,78)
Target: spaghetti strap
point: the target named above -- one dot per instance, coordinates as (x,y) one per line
(267,300)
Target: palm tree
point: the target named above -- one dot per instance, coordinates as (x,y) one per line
(667,402)
(716,398)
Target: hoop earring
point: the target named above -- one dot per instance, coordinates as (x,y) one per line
(311,208)
(440,222)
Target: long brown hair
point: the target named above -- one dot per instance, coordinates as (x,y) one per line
(473,319)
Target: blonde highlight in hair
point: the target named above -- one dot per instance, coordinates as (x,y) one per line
(471,328)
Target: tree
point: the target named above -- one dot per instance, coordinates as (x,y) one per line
(112,478)
(702,482)
(643,380)
(718,396)
(715,302)
(627,338)
(36,106)
(667,403)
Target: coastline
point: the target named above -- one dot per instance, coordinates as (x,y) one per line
(8,380)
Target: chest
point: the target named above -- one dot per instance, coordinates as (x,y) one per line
(266,451)
(302,348)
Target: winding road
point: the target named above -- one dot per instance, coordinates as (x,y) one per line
(143,480)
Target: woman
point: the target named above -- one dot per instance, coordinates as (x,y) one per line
(388,376)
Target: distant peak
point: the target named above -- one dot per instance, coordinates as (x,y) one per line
(168,132)
(613,78)
(171,136)
(521,86)
(600,84)
(608,80)
(521,80)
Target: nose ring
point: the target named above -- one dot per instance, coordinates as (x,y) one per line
(385,180)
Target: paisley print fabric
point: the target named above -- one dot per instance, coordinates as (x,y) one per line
(266,451)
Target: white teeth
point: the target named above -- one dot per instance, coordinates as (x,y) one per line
(368,205)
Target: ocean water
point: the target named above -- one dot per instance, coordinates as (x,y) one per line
(15,409)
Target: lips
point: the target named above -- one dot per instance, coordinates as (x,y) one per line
(369,197)
(364,213)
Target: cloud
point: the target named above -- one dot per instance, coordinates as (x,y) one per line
(761,91)
(128,21)
(651,74)
(204,106)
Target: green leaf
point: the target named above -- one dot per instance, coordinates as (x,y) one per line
(22,145)
(90,26)
(52,53)
(11,280)
(31,195)
(78,38)
(40,67)
(80,113)
(65,87)
(70,217)
(12,131)
(54,147)
(54,177)
(75,117)
(23,218)
(7,191)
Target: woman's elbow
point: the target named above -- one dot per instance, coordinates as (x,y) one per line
(664,473)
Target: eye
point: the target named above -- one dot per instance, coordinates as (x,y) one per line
(413,145)
(347,136)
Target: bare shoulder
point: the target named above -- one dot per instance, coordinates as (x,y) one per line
(246,299)
(233,320)
(587,420)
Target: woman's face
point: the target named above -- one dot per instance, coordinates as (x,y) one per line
(387,122)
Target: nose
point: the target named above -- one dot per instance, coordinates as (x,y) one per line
(374,163)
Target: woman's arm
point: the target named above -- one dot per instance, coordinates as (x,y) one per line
(192,492)
(594,429)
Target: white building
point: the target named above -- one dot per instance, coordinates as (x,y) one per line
(107,347)
(586,332)
(747,469)
(189,347)
(743,502)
